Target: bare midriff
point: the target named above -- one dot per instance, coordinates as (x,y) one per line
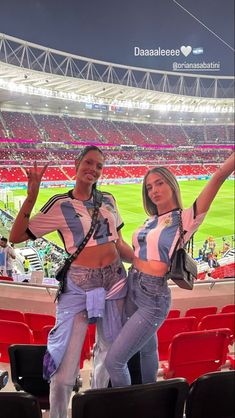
(152,267)
(97,256)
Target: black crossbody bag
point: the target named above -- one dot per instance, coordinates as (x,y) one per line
(62,271)
(183,268)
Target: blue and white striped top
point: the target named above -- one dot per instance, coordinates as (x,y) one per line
(157,238)
(71,218)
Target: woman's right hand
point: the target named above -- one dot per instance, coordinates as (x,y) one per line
(34,175)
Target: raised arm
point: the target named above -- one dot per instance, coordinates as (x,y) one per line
(18,232)
(209,192)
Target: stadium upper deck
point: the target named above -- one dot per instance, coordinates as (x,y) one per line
(54,101)
(29,71)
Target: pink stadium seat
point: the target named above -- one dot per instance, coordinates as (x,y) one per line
(36,322)
(11,315)
(192,354)
(201,311)
(169,329)
(13,333)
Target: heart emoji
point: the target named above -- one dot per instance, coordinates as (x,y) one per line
(186,50)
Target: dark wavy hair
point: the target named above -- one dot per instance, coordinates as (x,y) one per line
(85,151)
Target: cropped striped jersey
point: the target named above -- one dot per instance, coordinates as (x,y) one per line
(157,238)
(71,218)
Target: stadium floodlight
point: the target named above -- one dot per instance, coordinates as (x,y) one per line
(161,106)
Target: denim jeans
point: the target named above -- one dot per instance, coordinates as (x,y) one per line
(66,339)
(147,306)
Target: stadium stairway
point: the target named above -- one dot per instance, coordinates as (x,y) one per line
(33,257)
(230,253)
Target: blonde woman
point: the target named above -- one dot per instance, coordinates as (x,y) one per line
(154,243)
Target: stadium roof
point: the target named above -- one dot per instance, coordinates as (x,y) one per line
(27,69)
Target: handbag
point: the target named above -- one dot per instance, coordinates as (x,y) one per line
(183,268)
(61,272)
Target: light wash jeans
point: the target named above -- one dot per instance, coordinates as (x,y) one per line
(148,304)
(66,339)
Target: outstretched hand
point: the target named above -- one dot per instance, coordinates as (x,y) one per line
(34,175)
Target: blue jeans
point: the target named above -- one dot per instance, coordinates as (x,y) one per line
(148,304)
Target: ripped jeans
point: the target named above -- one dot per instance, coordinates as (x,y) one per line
(147,306)
(108,288)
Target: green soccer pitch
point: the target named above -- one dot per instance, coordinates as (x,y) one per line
(218,223)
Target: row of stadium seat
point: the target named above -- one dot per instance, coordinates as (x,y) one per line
(18,174)
(210,396)
(64,128)
(174,326)
(36,327)
(33,328)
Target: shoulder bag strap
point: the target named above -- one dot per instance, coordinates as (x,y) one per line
(181,241)
(97,196)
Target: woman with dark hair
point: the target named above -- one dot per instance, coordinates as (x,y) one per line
(95,285)
(154,242)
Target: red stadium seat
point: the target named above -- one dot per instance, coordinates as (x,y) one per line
(13,333)
(36,322)
(11,315)
(174,313)
(169,329)
(86,349)
(92,332)
(6,278)
(228,308)
(44,333)
(201,311)
(220,320)
(192,354)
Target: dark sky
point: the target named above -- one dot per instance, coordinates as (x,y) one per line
(109,30)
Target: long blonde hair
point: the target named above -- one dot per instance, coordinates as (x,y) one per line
(149,206)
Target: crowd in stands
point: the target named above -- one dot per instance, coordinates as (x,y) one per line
(67,173)
(19,156)
(55,128)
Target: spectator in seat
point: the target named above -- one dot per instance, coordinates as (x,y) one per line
(211,244)
(95,285)
(149,296)
(212,261)
(7,255)
(226,246)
